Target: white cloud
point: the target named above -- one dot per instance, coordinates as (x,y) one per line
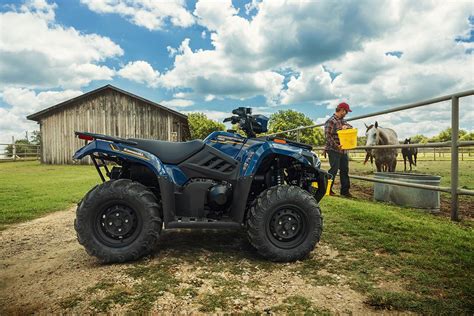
(171,51)
(23,102)
(152,15)
(209,97)
(349,38)
(214,115)
(213,15)
(433,62)
(311,84)
(36,52)
(249,7)
(142,72)
(177,103)
(207,73)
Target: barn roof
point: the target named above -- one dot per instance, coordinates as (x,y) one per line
(36,116)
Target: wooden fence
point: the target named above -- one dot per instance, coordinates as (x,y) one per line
(19,152)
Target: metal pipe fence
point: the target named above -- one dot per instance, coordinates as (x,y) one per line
(466,153)
(454,145)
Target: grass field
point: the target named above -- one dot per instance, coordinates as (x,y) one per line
(399,259)
(29,189)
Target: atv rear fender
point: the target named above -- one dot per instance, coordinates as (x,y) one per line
(105,148)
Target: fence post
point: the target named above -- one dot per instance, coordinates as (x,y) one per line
(13,148)
(298,136)
(454,158)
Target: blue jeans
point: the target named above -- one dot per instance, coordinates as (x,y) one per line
(340,162)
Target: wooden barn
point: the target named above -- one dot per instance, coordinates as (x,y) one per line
(106,110)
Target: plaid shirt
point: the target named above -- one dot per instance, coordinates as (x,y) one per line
(332,125)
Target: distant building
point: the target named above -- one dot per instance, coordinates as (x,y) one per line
(106,110)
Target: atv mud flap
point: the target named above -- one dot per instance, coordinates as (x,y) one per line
(321,184)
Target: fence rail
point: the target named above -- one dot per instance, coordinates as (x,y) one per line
(424,154)
(454,145)
(16,152)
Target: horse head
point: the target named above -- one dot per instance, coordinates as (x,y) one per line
(407,141)
(371,134)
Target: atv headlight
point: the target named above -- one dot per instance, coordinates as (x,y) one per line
(316,160)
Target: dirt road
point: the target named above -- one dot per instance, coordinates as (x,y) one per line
(44,269)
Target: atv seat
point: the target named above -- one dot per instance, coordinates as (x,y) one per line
(169,152)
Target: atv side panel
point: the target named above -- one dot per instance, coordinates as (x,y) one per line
(210,163)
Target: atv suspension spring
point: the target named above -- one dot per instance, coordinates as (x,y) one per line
(279,177)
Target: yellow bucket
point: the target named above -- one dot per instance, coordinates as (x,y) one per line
(348,138)
(328,188)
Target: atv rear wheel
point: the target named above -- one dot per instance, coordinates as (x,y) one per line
(284,223)
(118,221)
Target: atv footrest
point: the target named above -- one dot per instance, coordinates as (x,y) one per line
(208,223)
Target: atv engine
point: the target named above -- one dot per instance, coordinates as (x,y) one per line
(203,198)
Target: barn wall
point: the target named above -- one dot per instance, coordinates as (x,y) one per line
(110,113)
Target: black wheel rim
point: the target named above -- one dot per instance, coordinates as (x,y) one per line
(117,225)
(287,227)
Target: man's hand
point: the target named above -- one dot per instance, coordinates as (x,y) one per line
(345,126)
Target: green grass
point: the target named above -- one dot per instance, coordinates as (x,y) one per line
(431,257)
(298,305)
(29,189)
(71,301)
(427,261)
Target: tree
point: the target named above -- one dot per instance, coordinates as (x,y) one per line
(419,139)
(22,148)
(36,138)
(361,140)
(289,119)
(200,126)
(468,136)
(445,135)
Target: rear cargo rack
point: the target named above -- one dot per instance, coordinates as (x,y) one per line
(92,136)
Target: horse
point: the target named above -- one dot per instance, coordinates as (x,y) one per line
(409,154)
(385,158)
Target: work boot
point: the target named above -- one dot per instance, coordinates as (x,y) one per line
(332,193)
(347,195)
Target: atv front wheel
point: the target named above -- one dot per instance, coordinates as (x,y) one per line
(284,224)
(118,221)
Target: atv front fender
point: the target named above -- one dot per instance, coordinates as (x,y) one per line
(255,155)
(125,153)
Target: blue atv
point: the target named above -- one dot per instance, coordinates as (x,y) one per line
(268,186)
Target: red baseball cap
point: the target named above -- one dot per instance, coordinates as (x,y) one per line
(344,106)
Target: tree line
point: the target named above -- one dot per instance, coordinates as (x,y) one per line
(200,126)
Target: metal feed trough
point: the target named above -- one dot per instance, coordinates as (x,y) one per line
(401,195)
(454,144)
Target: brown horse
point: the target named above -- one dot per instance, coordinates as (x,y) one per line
(409,154)
(385,158)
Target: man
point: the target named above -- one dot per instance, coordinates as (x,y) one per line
(338,158)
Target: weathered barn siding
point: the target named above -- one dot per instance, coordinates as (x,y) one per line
(109,112)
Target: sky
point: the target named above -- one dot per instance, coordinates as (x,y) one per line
(213,56)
